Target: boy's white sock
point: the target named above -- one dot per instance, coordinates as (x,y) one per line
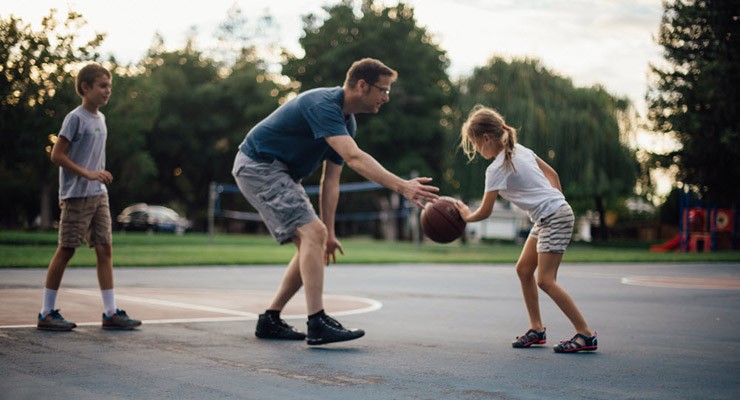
(109,302)
(50,299)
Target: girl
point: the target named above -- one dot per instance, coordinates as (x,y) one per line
(524,179)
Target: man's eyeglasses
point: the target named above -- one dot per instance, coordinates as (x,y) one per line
(383,90)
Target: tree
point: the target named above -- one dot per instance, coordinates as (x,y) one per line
(36,91)
(576,130)
(411,120)
(240,40)
(175,118)
(186,119)
(130,115)
(695,97)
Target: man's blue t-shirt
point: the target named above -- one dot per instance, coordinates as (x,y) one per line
(294,133)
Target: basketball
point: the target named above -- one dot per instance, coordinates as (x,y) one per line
(441,221)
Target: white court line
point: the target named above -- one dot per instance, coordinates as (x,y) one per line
(372,305)
(167,303)
(640,282)
(153,321)
(676,283)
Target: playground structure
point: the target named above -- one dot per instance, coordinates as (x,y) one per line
(702,227)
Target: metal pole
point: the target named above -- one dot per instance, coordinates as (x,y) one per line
(414,219)
(211,210)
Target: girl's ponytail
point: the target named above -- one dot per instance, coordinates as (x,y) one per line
(508,139)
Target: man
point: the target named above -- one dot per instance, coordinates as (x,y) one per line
(318,126)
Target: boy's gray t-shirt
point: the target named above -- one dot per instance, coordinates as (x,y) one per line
(87,135)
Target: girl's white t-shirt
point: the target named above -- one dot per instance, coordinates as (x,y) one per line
(526,185)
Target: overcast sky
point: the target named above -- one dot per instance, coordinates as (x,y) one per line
(607,42)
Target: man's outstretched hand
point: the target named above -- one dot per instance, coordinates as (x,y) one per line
(418,192)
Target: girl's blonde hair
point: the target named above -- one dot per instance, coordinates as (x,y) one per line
(486,120)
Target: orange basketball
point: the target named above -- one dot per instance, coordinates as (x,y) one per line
(441,222)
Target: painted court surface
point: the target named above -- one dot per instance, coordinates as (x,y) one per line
(433,332)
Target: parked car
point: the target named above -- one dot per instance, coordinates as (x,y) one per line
(150,218)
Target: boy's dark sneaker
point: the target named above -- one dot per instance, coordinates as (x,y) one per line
(272,327)
(119,320)
(53,321)
(572,346)
(531,337)
(325,329)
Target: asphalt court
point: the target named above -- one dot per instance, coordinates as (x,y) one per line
(433,332)
(173,305)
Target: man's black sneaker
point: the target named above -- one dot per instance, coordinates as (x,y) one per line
(325,329)
(272,327)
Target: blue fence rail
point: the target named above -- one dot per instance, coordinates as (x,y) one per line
(218,189)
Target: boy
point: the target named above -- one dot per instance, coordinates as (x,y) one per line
(80,154)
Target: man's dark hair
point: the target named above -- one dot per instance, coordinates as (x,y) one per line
(369,70)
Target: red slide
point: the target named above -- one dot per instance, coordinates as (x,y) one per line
(669,245)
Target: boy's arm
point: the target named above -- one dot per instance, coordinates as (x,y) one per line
(550,174)
(483,212)
(60,157)
(364,164)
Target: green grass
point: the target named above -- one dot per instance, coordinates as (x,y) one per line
(35,249)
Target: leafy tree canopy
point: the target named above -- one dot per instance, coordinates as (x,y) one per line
(36,91)
(575,130)
(695,97)
(407,134)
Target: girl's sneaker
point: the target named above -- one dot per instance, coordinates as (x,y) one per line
(531,337)
(572,346)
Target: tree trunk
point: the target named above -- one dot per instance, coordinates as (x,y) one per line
(45,222)
(603,229)
(388,207)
